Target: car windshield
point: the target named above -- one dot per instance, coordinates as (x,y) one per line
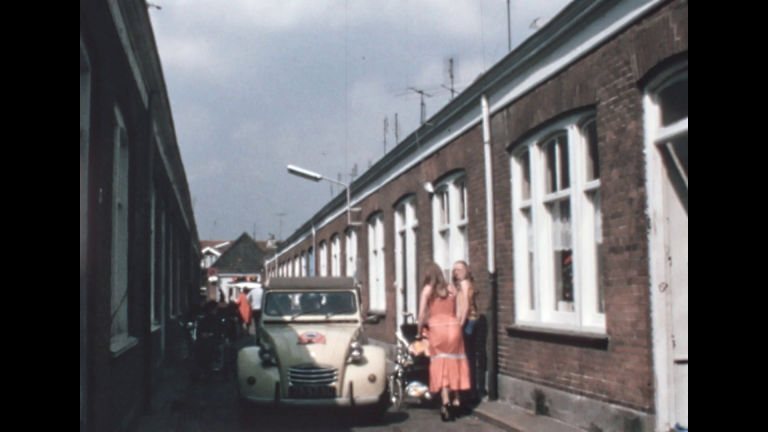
(325,304)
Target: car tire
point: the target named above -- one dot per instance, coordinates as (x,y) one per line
(396,393)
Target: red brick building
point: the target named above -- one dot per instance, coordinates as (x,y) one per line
(561,176)
(139,254)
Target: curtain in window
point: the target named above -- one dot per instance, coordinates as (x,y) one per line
(563,230)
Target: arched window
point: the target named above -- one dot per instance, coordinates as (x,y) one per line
(377,265)
(667,148)
(336,256)
(323,259)
(406,257)
(451,218)
(120,217)
(351,252)
(557,223)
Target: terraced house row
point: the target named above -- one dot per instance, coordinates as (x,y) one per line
(561,176)
(139,247)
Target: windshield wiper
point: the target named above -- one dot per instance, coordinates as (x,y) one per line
(340,313)
(293,318)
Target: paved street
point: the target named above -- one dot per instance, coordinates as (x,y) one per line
(210,405)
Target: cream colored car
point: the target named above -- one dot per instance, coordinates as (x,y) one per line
(312,350)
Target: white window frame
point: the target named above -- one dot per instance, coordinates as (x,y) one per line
(657,138)
(323,256)
(406,227)
(352,248)
(377,265)
(120,312)
(336,256)
(586,317)
(450,228)
(311,263)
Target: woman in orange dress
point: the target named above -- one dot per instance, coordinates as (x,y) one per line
(449,371)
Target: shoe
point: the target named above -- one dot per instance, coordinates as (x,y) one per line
(446,415)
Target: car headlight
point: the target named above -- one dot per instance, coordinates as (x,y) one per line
(266,354)
(356,352)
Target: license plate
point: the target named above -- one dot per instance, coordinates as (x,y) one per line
(312,392)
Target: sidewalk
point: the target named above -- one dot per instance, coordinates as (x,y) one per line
(515,419)
(181,405)
(168,401)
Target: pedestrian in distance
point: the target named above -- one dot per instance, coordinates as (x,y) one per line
(244,308)
(254,299)
(447,308)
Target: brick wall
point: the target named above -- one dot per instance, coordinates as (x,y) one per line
(607,79)
(120,387)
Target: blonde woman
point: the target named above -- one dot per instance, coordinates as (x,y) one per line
(463,279)
(446,306)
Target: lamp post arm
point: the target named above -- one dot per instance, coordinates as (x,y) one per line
(337,182)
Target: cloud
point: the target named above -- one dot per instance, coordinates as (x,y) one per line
(258,84)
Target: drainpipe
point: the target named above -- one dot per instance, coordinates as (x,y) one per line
(493,285)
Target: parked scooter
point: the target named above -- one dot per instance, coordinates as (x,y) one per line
(409,383)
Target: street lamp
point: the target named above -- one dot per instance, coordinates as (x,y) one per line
(309,175)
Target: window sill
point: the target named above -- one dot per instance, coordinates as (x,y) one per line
(380,314)
(156,328)
(118,350)
(561,337)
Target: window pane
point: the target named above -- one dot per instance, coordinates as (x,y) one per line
(600,258)
(551,151)
(446,253)
(464,244)
(565,163)
(445,207)
(674,103)
(563,251)
(593,155)
(463,196)
(531,258)
(680,148)
(404,266)
(525,164)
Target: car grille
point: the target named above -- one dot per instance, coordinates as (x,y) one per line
(313,375)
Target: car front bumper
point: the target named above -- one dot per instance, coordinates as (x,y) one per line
(339,403)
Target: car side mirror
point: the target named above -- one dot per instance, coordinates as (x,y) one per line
(373,320)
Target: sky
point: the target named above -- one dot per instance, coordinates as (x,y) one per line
(257,85)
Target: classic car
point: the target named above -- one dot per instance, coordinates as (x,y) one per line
(312,350)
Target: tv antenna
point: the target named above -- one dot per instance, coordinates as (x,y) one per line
(423,103)
(452,78)
(386,131)
(397,129)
